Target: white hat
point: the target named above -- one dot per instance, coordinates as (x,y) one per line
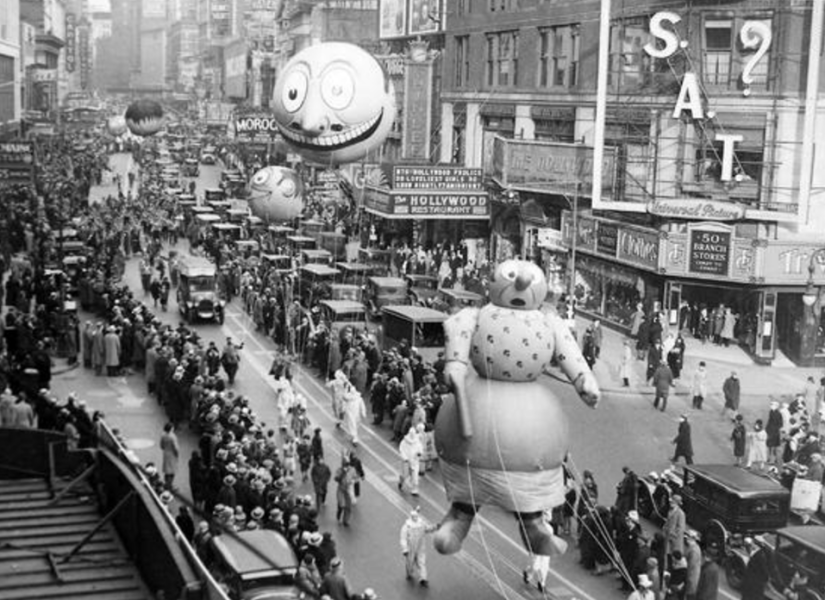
(644,581)
(633,516)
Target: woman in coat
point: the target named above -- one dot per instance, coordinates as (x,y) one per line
(757,446)
(626,367)
(728,324)
(343,493)
(171,452)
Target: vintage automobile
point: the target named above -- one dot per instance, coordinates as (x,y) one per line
(421,289)
(451,301)
(346,291)
(282,263)
(654,493)
(197,293)
(213,194)
(314,281)
(384,291)
(338,314)
(255,565)
(727,503)
(421,327)
(227,231)
(321,257)
(190,168)
(247,248)
(797,550)
(219,206)
(297,243)
(208,158)
(355,273)
(379,260)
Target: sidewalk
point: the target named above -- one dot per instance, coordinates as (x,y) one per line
(759,383)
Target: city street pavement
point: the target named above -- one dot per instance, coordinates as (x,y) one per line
(623,430)
(759,383)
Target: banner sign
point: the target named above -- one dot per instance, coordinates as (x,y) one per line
(607,238)
(16,163)
(695,208)
(84,57)
(447,178)
(250,125)
(427,205)
(415,132)
(709,252)
(639,247)
(69,50)
(552,166)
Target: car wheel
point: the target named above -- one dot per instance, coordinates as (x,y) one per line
(715,534)
(735,571)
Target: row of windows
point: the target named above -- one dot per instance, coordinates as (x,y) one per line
(723,58)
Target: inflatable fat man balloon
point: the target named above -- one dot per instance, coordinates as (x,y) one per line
(144,117)
(333,103)
(116,125)
(276,194)
(503,437)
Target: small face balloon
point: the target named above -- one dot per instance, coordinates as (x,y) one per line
(276,194)
(518,284)
(334,103)
(116,125)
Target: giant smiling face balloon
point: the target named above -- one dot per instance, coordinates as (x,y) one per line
(334,103)
(144,117)
(116,125)
(276,194)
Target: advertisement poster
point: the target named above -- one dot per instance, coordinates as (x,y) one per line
(392,19)
(425,16)
(709,252)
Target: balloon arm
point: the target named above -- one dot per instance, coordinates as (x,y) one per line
(458,331)
(572,363)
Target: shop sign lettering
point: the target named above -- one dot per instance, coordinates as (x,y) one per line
(442,205)
(436,178)
(694,208)
(639,247)
(16,163)
(607,238)
(255,124)
(710,252)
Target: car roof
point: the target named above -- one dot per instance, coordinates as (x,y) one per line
(320,269)
(807,535)
(388,281)
(416,313)
(462,294)
(417,277)
(343,306)
(316,252)
(736,479)
(244,551)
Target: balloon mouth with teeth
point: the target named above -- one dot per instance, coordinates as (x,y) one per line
(332,141)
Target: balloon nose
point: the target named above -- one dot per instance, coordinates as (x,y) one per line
(523,281)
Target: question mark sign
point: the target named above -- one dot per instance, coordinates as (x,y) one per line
(754,34)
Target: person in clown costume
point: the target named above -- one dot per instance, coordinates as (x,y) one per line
(503,437)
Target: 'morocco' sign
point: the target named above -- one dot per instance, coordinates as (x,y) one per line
(256,124)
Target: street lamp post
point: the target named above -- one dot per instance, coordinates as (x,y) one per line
(810,297)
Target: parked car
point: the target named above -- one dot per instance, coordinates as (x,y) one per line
(451,301)
(421,327)
(255,565)
(384,291)
(421,288)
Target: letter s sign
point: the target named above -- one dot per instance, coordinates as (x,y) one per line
(668,37)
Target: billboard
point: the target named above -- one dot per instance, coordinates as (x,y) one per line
(425,17)
(70,50)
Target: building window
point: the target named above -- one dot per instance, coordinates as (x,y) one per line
(630,65)
(502,59)
(559,56)
(501,5)
(462,60)
(462,7)
(724,57)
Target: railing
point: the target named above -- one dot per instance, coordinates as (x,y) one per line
(208,588)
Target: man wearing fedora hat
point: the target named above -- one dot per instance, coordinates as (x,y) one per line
(335,584)
(674,527)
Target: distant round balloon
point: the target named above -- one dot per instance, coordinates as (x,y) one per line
(333,103)
(144,117)
(116,125)
(276,194)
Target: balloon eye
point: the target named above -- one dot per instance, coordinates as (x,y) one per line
(511,275)
(338,88)
(260,178)
(295,91)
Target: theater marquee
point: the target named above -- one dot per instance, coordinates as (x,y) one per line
(393,204)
